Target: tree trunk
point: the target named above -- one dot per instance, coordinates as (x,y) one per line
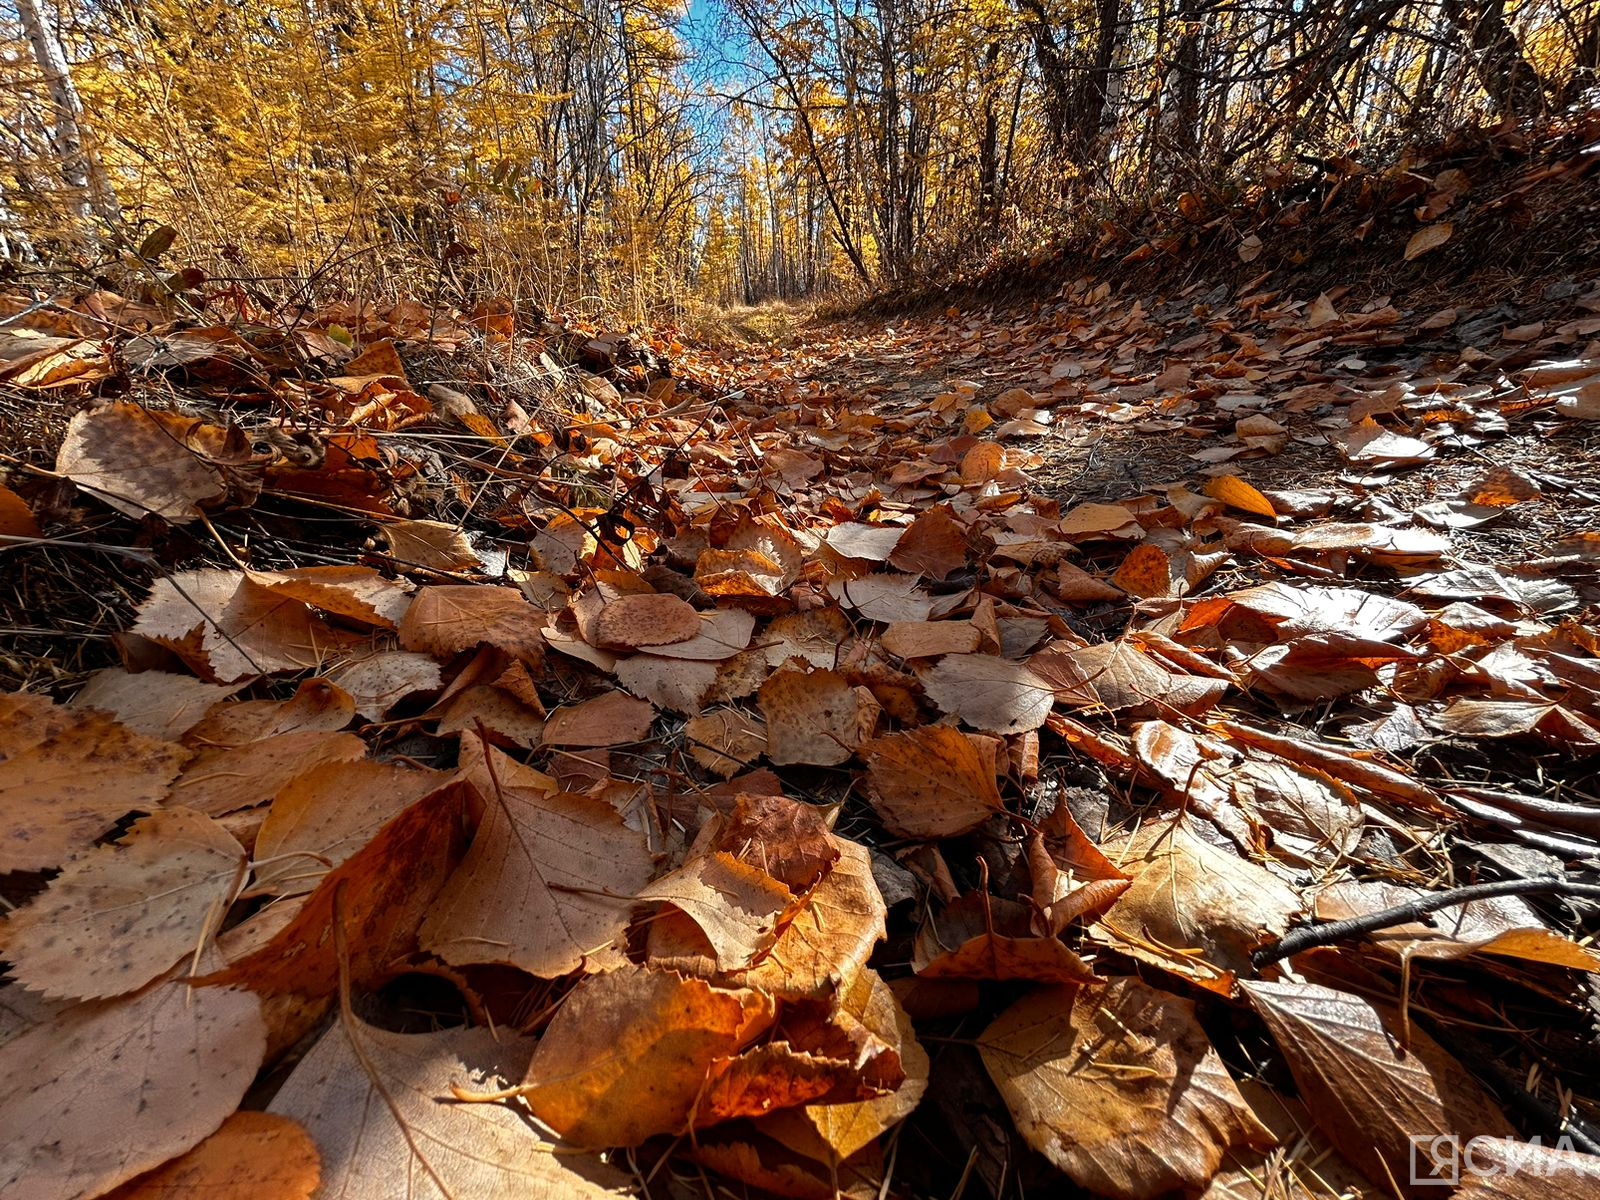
(91,192)
(1505,74)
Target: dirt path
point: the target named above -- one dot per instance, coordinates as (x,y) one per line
(1134,395)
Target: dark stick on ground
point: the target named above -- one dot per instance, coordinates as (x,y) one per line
(1326,933)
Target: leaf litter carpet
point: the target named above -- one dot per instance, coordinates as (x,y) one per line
(448,758)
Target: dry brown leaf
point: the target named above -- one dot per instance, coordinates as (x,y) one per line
(357,593)
(330,813)
(775,1076)
(443,621)
(934,545)
(839,1131)
(988,693)
(1313,818)
(831,938)
(1372,1088)
(726,741)
(734,905)
(1503,925)
(979,936)
(872,543)
(1146,572)
(506,717)
(548,885)
(680,685)
(317,706)
(156,704)
(1071,879)
(982,463)
(16,518)
(66,776)
(1429,237)
(649,619)
(125,913)
(722,634)
(105,1090)
(141,461)
(227,624)
(789,840)
(886,597)
(930,639)
(1194,909)
(628,1054)
(742,574)
(254,1156)
(227,779)
(609,720)
(398,1131)
(816,637)
(1089,521)
(1236,493)
(430,544)
(933,782)
(1118,1087)
(1120,675)
(383,891)
(762,1163)
(377,682)
(1077,586)
(813,717)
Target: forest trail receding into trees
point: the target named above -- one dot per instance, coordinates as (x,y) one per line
(923,748)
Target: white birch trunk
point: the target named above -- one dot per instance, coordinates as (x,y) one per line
(91,193)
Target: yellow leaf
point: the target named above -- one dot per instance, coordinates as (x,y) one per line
(1236,493)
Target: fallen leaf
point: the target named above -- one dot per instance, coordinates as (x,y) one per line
(67,775)
(156,704)
(231,626)
(317,706)
(979,936)
(1236,493)
(813,717)
(125,913)
(382,891)
(323,816)
(934,782)
(628,1054)
(430,544)
(386,1123)
(989,693)
(1429,237)
(443,621)
(1194,909)
(1118,1087)
(141,461)
(649,619)
(254,1156)
(726,741)
(1371,1088)
(845,1129)
(105,1090)
(229,778)
(609,720)
(734,905)
(548,884)
(16,518)
(830,939)
(930,639)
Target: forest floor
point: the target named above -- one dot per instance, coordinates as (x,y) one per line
(870,757)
